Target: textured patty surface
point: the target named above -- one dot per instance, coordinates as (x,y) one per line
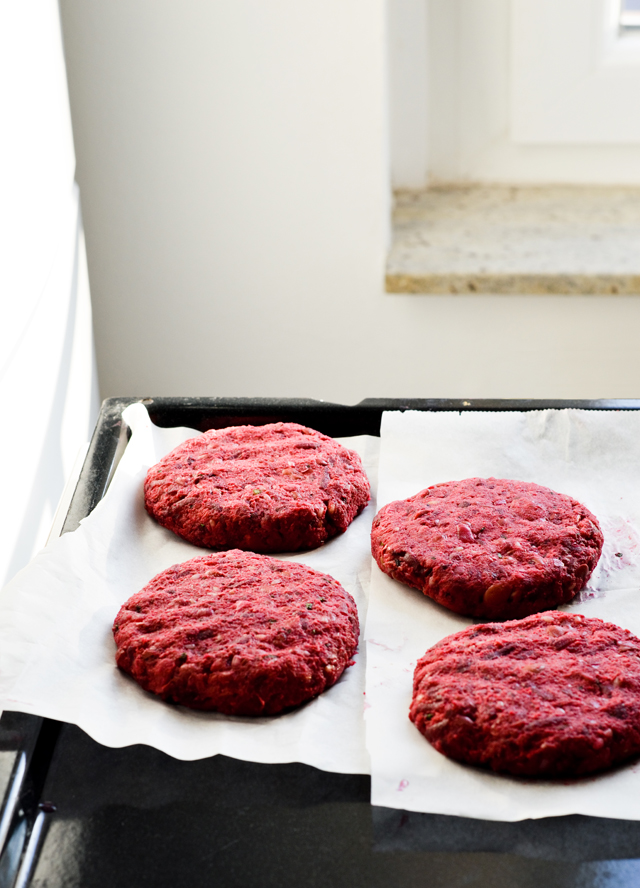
(280,487)
(554,695)
(489,548)
(238,633)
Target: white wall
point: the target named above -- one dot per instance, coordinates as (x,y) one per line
(233,163)
(408,86)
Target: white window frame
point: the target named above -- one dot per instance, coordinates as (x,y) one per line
(452,96)
(575,77)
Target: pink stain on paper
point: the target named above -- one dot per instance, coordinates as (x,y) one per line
(385,647)
(625,542)
(621,550)
(403,785)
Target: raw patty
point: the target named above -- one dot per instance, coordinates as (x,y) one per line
(274,488)
(239,633)
(555,695)
(489,548)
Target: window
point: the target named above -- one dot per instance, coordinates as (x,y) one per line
(629,15)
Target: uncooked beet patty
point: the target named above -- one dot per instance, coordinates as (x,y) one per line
(275,488)
(554,695)
(238,633)
(489,548)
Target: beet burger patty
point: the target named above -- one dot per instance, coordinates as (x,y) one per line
(553,695)
(280,487)
(239,633)
(489,548)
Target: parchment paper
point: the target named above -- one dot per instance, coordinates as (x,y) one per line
(592,456)
(57,650)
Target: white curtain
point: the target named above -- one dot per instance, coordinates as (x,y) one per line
(48,384)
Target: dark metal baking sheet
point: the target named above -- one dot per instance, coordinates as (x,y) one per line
(80,814)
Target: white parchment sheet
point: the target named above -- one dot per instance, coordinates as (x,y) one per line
(592,456)
(57,650)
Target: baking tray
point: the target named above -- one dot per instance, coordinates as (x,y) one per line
(76,814)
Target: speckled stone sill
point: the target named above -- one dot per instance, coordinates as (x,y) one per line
(533,284)
(552,240)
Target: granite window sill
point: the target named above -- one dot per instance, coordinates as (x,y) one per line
(551,240)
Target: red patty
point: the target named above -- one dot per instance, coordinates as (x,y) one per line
(555,695)
(489,548)
(274,488)
(239,633)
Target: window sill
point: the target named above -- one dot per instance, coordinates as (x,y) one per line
(549,240)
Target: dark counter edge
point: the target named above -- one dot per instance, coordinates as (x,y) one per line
(31,740)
